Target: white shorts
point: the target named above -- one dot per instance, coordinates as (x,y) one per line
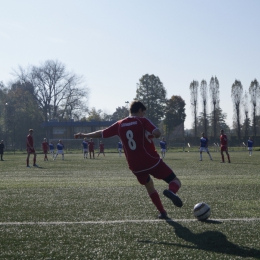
(250,148)
(85,150)
(51,151)
(163,150)
(60,152)
(204,149)
(119,150)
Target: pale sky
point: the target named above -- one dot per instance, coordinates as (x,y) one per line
(113,43)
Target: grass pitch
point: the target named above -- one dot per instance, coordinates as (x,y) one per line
(96,209)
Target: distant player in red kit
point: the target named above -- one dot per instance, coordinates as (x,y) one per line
(45,148)
(136,133)
(30,148)
(101,149)
(224,145)
(91,148)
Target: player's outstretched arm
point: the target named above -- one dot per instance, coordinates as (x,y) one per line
(97,134)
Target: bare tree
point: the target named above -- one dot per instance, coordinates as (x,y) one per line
(59,93)
(204,97)
(254,90)
(246,111)
(237,95)
(194,103)
(214,94)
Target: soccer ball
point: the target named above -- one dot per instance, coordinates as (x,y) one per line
(201,211)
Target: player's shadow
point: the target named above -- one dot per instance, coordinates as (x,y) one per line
(213,241)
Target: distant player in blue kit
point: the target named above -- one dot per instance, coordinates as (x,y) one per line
(119,147)
(51,147)
(60,147)
(85,148)
(204,146)
(163,146)
(250,144)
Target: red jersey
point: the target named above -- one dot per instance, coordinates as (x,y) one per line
(139,148)
(91,146)
(29,143)
(45,146)
(101,148)
(223,140)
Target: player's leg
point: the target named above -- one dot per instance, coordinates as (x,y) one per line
(56,155)
(34,159)
(163,172)
(228,156)
(222,156)
(62,155)
(27,159)
(200,155)
(154,196)
(174,186)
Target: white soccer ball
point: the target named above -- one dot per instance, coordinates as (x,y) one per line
(202,211)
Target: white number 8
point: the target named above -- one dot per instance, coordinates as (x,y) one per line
(131,142)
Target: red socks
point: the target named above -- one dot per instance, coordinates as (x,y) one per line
(157,201)
(174,186)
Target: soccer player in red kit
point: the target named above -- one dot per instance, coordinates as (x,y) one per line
(30,148)
(101,148)
(45,148)
(136,133)
(91,148)
(224,145)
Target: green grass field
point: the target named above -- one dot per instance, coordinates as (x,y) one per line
(96,209)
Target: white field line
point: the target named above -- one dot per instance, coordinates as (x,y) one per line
(123,221)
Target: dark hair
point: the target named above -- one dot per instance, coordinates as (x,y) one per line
(135,106)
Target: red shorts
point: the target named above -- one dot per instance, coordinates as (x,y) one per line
(91,150)
(160,171)
(223,148)
(30,150)
(45,151)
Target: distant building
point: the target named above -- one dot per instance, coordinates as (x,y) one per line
(67,129)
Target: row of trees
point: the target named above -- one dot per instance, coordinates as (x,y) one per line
(49,91)
(215,120)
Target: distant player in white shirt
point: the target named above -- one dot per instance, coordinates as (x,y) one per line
(204,146)
(250,144)
(85,148)
(60,147)
(163,146)
(119,147)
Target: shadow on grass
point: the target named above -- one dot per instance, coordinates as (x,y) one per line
(213,241)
